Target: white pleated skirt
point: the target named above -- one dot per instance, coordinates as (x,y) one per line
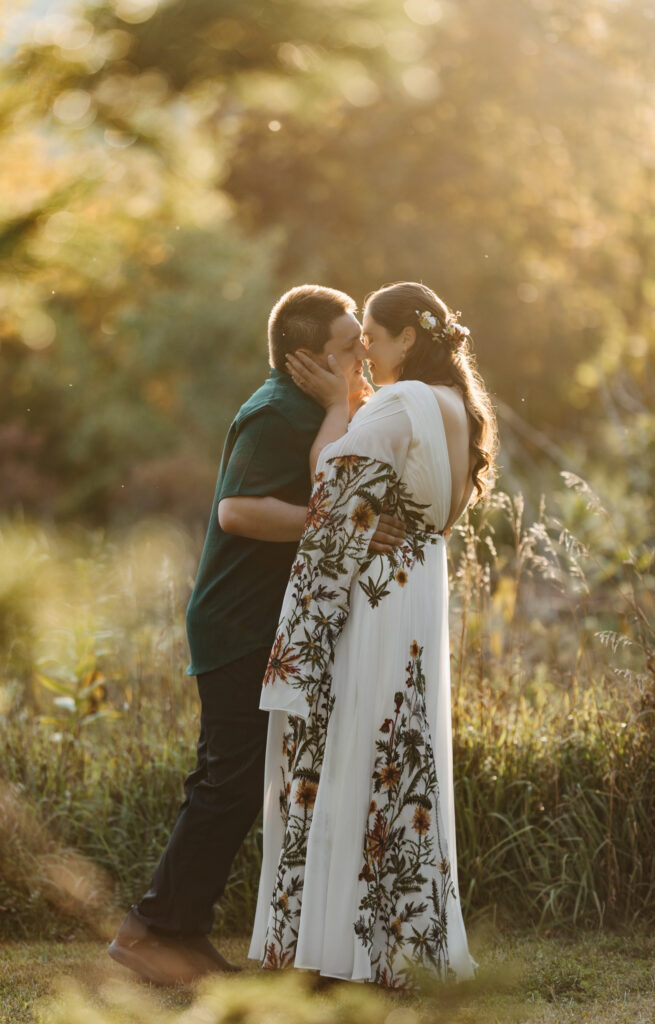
(370,663)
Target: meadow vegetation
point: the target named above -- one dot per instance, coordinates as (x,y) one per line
(553,710)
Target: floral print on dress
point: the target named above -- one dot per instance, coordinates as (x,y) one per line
(403,920)
(345,506)
(343,512)
(303,747)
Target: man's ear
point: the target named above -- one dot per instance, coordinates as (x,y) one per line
(317,357)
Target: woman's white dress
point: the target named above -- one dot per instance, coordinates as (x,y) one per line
(359,871)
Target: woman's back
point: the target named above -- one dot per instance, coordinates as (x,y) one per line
(456,428)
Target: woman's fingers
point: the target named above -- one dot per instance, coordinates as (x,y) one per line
(303,357)
(305,364)
(326,386)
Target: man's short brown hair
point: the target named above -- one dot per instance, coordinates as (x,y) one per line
(303,318)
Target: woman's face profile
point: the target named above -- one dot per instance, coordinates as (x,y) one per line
(384,352)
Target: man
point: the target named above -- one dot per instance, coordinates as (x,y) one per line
(256,521)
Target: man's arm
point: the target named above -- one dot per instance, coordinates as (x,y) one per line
(274,520)
(264,518)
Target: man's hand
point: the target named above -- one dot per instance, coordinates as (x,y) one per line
(390,533)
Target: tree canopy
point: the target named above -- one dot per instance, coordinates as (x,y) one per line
(170,168)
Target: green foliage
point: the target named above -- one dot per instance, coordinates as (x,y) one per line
(210,154)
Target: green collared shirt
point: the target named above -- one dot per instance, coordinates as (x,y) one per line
(240,584)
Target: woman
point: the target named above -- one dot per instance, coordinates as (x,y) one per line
(359,872)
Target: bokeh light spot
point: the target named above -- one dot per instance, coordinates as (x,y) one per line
(72,106)
(360,90)
(134,12)
(38,330)
(422,83)
(118,140)
(423,12)
(60,226)
(405,47)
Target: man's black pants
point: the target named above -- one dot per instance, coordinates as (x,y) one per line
(223,797)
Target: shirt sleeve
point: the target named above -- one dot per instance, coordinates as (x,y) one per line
(259,463)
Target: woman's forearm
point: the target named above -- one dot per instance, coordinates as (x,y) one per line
(334,426)
(263,518)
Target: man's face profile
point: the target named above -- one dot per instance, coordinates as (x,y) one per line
(345,344)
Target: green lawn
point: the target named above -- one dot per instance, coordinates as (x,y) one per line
(600,979)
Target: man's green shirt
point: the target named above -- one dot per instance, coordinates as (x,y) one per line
(239,588)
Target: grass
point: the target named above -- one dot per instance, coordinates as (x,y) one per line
(595,978)
(553,671)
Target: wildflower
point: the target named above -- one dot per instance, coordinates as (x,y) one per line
(451,333)
(377,839)
(427,320)
(363,517)
(414,650)
(272,961)
(281,664)
(306,793)
(401,577)
(421,820)
(389,775)
(319,506)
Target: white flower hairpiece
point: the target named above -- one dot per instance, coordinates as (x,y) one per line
(452,333)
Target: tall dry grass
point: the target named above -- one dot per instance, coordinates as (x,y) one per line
(553,676)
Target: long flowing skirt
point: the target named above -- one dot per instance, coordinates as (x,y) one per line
(359,872)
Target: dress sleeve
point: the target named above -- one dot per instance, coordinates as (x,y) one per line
(355,476)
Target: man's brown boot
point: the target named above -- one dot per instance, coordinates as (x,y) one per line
(161,959)
(200,944)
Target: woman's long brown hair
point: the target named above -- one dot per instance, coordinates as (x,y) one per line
(397,306)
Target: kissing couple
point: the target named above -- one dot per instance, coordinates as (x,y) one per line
(318,630)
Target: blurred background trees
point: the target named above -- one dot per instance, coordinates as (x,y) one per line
(170,168)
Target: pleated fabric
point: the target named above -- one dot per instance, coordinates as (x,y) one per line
(381,804)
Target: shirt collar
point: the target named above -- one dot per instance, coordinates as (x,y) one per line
(282,380)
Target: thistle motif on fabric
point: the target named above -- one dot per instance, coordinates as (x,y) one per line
(451,334)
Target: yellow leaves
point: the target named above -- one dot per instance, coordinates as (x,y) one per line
(504,599)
